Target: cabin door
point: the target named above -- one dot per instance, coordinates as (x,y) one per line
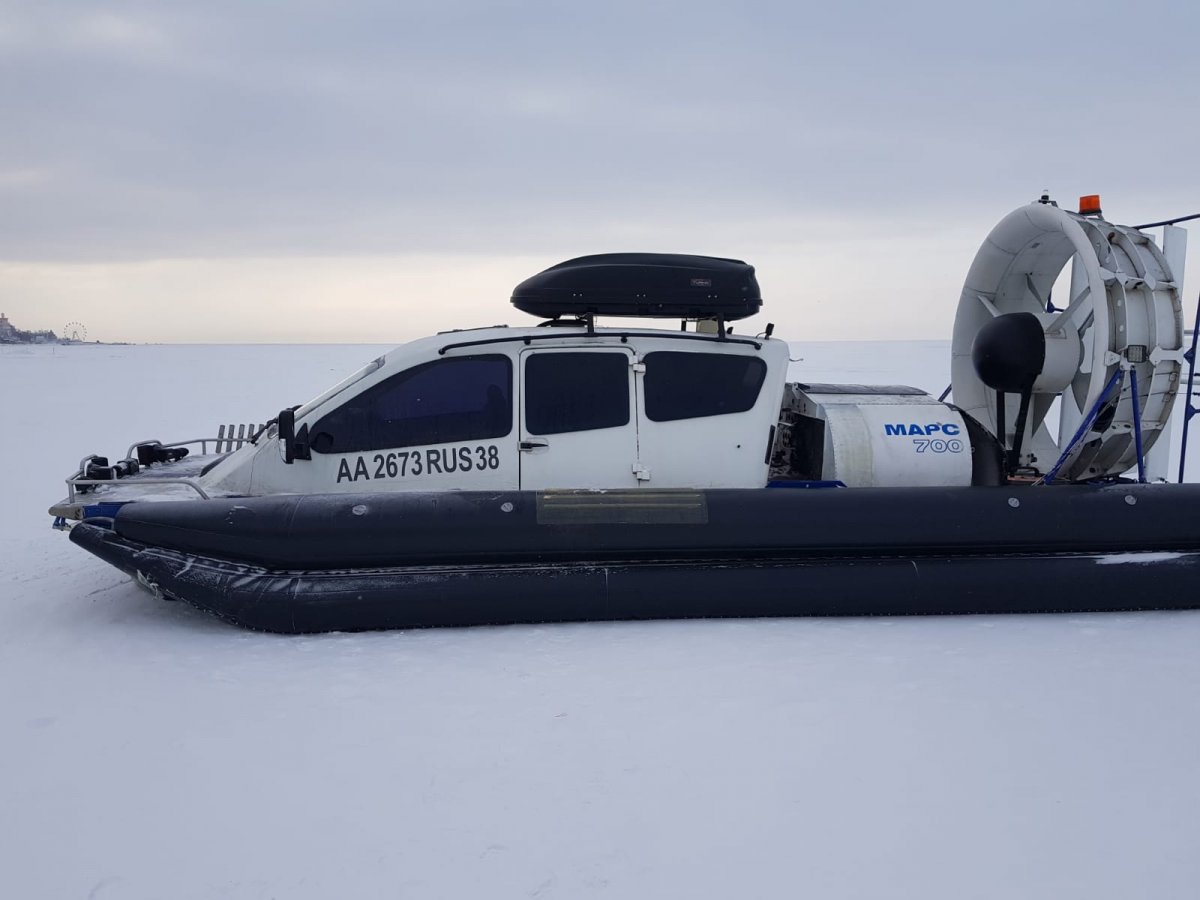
(578,424)
(440,425)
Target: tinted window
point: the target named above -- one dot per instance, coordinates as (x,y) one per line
(576,392)
(694,385)
(466,398)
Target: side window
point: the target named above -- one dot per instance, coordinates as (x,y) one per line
(695,385)
(462,398)
(576,392)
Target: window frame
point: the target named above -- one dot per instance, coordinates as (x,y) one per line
(648,401)
(626,357)
(365,397)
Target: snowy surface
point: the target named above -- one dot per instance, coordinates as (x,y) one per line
(149,751)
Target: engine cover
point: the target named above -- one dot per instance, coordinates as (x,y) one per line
(876,436)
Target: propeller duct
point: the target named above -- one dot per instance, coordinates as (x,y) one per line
(1015,353)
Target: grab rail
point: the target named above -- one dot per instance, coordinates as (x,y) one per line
(72,483)
(624,337)
(228,439)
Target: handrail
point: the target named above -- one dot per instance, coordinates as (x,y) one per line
(1168,221)
(77,480)
(187,482)
(203,442)
(623,335)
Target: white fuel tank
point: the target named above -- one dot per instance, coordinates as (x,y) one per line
(880,436)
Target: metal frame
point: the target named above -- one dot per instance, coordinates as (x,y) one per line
(1189,407)
(1113,382)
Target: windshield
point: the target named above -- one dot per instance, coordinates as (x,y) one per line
(358,376)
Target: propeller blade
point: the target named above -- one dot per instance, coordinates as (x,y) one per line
(1073,309)
(988,305)
(1043,303)
(1079,388)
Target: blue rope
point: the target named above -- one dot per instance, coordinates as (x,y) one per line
(1083,427)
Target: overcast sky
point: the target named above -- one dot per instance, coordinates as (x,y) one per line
(358,171)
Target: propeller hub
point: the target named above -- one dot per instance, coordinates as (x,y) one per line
(1009,351)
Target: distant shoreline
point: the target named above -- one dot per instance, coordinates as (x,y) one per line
(66,343)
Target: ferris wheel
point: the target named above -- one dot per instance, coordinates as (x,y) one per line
(74,332)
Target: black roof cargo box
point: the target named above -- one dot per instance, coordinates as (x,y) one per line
(659,285)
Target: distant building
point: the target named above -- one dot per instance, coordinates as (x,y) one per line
(10,334)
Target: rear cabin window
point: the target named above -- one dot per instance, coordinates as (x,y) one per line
(576,392)
(696,385)
(465,398)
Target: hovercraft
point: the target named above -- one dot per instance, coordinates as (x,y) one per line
(569,471)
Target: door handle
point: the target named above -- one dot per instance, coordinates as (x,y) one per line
(534,445)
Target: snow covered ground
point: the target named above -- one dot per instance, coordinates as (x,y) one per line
(148,751)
